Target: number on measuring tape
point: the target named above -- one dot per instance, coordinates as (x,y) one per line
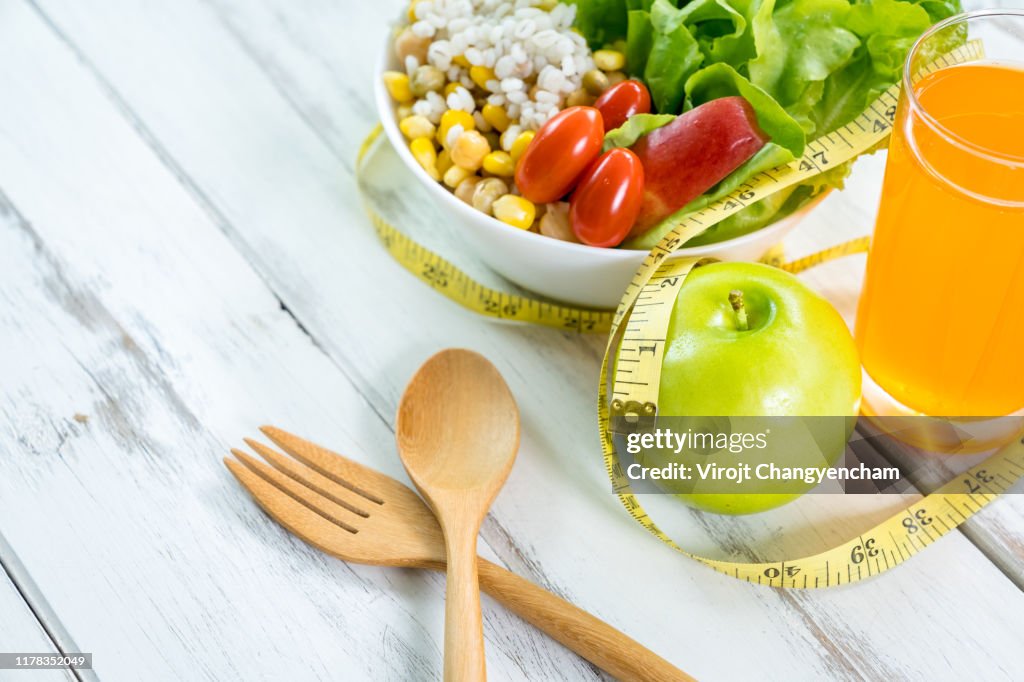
(863,550)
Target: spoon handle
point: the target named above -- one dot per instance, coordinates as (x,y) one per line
(464,659)
(590,637)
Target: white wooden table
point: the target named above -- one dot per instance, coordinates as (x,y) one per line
(183,258)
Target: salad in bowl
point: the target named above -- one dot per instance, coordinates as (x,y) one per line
(592,125)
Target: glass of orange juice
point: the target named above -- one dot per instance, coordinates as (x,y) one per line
(940,324)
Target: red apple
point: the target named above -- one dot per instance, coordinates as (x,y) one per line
(692,154)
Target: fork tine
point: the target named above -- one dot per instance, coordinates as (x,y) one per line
(311,478)
(338,468)
(309,525)
(400,506)
(309,498)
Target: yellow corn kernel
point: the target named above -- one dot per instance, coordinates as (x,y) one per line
(520,144)
(451,87)
(403,111)
(444,161)
(480,75)
(412,10)
(460,60)
(609,60)
(499,163)
(416,126)
(454,176)
(451,118)
(496,116)
(469,150)
(423,151)
(515,211)
(397,84)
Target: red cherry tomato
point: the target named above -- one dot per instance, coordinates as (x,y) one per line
(621,101)
(608,199)
(561,150)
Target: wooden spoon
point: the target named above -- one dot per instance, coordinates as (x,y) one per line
(458,432)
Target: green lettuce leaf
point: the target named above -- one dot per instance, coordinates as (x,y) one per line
(639,40)
(939,9)
(720,29)
(601,21)
(887,29)
(809,44)
(673,57)
(634,128)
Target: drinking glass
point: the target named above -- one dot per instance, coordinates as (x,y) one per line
(940,325)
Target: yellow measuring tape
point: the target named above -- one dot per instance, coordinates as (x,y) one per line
(657,283)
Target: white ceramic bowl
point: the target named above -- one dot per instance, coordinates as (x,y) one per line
(574,273)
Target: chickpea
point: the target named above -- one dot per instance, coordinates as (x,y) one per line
(615,77)
(487,192)
(595,82)
(409,44)
(465,189)
(469,150)
(540,210)
(555,222)
(579,98)
(426,79)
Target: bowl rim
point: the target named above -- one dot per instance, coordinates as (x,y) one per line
(386,113)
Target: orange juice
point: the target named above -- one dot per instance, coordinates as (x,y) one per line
(941,320)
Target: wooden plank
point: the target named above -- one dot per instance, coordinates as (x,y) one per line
(299,224)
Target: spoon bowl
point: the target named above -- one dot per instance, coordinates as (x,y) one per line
(458,424)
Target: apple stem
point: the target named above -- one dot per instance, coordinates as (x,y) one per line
(736,299)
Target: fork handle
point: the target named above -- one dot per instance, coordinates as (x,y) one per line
(590,637)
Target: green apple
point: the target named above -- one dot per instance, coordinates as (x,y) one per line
(750,340)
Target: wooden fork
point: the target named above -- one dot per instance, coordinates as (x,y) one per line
(357,514)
